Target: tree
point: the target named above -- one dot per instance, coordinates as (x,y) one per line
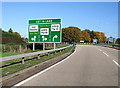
(11,37)
(92,34)
(16,33)
(118,41)
(84,36)
(100,36)
(10,30)
(71,34)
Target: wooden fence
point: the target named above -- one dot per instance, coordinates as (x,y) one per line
(23,48)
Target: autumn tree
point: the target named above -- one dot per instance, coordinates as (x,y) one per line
(100,36)
(71,34)
(84,36)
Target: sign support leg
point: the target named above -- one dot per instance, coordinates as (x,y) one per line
(33,46)
(54,45)
(43,46)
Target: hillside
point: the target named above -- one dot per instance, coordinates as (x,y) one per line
(11,37)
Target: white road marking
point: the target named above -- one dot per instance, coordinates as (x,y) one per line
(30,78)
(100,49)
(116,63)
(106,54)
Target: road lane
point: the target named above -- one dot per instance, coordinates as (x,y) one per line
(87,67)
(112,52)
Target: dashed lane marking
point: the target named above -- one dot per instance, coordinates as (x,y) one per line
(106,54)
(116,63)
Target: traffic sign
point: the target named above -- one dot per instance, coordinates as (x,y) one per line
(44,31)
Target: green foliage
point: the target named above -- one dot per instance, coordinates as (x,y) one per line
(10,30)
(118,41)
(11,37)
(92,34)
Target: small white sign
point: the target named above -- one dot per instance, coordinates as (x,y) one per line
(44,31)
(95,40)
(33,28)
(55,27)
(81,41)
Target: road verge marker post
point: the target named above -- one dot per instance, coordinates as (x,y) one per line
(23,60)
(38,57)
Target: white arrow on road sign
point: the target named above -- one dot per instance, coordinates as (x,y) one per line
(34,38)
(55,37)
(44,39)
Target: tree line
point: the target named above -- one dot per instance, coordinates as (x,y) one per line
(74,34)
(11,37)
(69,34)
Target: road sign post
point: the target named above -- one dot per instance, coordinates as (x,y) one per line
(43,46)
(54,45)
(33,46)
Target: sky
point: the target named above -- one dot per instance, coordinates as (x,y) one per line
(96,16)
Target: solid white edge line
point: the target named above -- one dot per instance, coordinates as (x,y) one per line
(116,63)
(110,48)
(105,54)
(28,79)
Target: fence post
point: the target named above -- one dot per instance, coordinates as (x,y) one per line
(20,48)
(10,49)
(23,60)
(54,45)
(4,47)
(26,47)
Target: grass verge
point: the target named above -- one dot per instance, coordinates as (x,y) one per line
(17,67)
(12,53)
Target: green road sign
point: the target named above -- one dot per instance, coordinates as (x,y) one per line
(44,31)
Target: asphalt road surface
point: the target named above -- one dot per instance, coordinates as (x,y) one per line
(88,66)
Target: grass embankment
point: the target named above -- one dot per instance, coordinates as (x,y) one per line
(109,44)
(17,53)
(28,51)
(17,67)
